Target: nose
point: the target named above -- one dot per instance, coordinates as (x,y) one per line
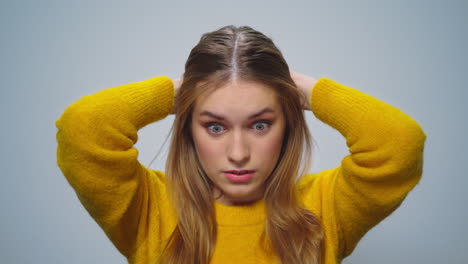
(239,150)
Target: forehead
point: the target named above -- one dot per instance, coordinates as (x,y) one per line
(238,98)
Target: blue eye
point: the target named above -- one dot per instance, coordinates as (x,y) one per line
(260,126)
(215,128)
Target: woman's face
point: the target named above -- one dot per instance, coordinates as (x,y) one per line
(238,132)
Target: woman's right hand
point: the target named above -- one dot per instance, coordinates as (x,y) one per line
(305,84)
(177,83)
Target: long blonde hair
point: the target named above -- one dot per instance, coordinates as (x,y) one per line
(293,233)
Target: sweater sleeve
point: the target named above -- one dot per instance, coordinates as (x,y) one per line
(384,164)
(95,152)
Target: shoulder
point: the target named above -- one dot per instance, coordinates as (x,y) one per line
(308,181)
(312,189)
(156,175)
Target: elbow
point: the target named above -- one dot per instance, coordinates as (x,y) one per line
(76,132)
(412,144)
(74,113)
(80,119)
(397,158)
(408,159)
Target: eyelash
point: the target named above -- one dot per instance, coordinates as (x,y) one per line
(268,124)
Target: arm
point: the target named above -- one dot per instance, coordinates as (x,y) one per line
(384,164)
(95,152)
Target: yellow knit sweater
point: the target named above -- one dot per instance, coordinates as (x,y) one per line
(96,137)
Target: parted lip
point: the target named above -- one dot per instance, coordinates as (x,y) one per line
(239,171)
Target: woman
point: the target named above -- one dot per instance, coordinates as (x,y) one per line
(235,188)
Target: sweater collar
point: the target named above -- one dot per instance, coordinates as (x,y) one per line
(240,215)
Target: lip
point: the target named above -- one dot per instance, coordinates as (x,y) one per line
(239,171)
(233,175)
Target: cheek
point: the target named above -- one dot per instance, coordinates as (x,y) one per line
(273,146)
(207,151)
(270,148)
(278,137)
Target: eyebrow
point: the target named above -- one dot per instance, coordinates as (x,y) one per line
(263,111)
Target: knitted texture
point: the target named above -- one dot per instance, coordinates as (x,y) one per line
(96,137)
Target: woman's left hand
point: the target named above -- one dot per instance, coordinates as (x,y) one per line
(305,84)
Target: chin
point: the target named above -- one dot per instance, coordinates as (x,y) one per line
(238,191)
(239,196)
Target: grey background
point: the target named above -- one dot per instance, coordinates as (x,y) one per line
(411,54)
